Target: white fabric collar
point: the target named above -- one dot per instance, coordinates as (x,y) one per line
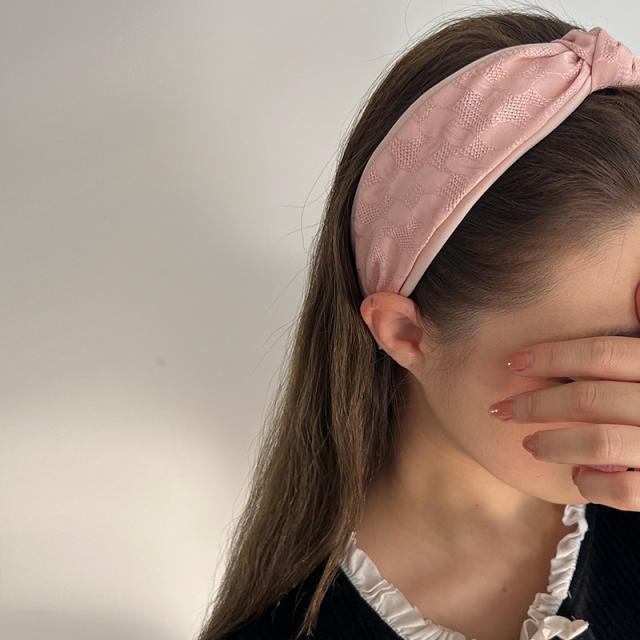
(541,624)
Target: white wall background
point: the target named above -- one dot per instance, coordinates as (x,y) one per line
(163,169)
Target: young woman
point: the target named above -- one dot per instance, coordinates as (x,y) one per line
(486,203)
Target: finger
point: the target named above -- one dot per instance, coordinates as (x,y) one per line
(619,489)
(590,444)
(601,357)
(601,401)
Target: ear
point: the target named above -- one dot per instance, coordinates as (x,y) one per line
(638,302)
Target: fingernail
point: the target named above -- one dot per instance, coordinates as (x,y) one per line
(574,474)
(502,410)
(520,360)
(530,443)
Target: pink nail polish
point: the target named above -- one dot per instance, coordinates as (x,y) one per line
(502,410)
(530,443)
(574,474)
(520,360)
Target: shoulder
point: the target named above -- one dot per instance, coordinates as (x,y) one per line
(275,623)
(613,528)
(606,580)
(343,615)
(282,619)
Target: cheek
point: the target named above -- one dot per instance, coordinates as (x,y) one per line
(465,408)
(491,441)
(496,445)
(499,449)
(501,442)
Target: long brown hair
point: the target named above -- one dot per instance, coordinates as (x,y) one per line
(331,423)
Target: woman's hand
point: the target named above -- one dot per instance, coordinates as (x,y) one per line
(606,391)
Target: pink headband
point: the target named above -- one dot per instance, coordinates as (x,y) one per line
(458,137)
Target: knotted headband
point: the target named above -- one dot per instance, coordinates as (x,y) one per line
(459,136)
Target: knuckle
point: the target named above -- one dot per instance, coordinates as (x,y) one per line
(584,396)
(530,406)
(603,353)
(606,445)
(548,357)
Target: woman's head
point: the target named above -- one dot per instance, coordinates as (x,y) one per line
(445,421)
(537,255)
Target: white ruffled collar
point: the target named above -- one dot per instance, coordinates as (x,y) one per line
(541,624)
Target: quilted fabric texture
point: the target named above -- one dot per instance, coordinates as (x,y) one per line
(458,137)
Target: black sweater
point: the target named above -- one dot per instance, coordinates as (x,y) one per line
(604,591)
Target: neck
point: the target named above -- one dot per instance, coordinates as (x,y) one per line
(432,494)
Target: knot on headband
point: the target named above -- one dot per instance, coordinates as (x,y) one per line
(459,136)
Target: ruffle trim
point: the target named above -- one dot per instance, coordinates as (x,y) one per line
(407,620)
(563,565)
